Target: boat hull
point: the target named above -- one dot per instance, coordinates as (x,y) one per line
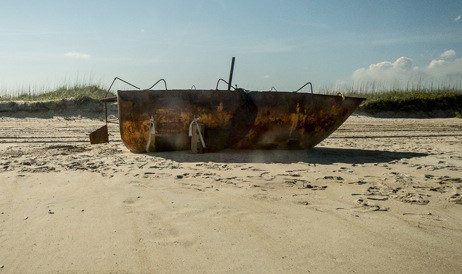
(232,119)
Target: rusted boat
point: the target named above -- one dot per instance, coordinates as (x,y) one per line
(162,120)
(159,120)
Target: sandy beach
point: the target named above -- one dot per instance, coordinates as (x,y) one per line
(379,195)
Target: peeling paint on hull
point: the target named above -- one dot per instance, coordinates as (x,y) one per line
(232,119)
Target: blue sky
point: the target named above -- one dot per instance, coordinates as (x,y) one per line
(276,43)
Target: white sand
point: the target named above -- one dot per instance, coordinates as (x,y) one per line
(380,195)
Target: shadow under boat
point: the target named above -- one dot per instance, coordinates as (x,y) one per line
(317,155)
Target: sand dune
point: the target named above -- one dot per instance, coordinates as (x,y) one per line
(379,195)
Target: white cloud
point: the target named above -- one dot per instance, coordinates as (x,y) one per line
(266,76)
(447,65)
(446,69)
(77,55)
(401,70)
(445,58)
(449,55)
(457,19)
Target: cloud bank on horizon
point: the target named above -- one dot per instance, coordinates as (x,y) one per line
(445,70)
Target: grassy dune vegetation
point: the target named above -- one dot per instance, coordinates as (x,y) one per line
(449,100)
(397,100)
(65,92)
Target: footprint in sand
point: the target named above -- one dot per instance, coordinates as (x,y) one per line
(370,206)
(456,198)
(335,178)
(447,179)
(193,186)
(302,202)
(378,198)
(137,184)
(266,176)
(312,187)
(265,197)
(131,200)
(413,198)
(360,182)
(440,189)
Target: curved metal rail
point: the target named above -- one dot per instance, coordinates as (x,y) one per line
(193,87)
(161,80)
(309,83)
(221,80)
(273,89)
(122,80)
(105,98)
(101,135)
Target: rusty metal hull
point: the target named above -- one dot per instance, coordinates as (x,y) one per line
(99,136)
(232,119)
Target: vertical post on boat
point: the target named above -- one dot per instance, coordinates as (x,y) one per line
(105,111)
(231,73)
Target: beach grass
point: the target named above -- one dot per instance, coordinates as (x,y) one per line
(424,100)
(64,92)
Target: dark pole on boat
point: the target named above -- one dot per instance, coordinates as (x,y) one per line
(231,73)
(105,111)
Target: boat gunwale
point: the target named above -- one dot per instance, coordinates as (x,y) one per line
(247,91)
